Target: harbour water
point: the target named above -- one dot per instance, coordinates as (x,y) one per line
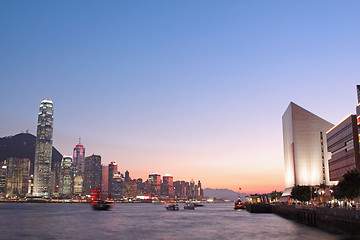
(150,221)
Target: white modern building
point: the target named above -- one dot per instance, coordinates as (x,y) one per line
(305,148)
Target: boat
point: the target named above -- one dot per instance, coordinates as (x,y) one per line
(198,205)
(189,206)
(238,204)
(98,203)
(101,205)
(172,207)
(35,199)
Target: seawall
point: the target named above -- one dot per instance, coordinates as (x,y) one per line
(333,220)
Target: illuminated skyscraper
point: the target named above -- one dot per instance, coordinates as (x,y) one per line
(92,174)
(105,180)
(168,185)
(155,184)
(78,159)
(113,169)
(17,177)
(43,149)
(66,177)
(305,148)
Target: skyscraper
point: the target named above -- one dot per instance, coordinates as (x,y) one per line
(78,159)
(43,149)
(17,177)
(168,185)
(113,169)
(155,184)
(305,148)
(92,173)
(66,177)
(105,180)
(358,105)
(343,143)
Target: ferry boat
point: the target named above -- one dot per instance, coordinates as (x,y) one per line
(172,207)
(189,206)
(238,204)
(35,199)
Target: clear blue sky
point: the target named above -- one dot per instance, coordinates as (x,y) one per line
(192,88)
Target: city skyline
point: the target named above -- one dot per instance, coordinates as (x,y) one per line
(196,90)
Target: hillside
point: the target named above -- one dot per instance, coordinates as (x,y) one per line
(22,145)
(223,194)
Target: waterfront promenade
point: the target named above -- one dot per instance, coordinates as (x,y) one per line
(335,220)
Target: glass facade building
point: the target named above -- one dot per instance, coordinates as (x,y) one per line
(113,169)
(155,184)
(168,186)
(66,177)
(17,177)
(78,159)
(92,174)
(43,149)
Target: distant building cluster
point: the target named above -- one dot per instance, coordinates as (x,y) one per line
(77,176)
(315,151)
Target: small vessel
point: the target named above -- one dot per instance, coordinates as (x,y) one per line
(35,199)
(96,201)
(101,205)
(198,205)
(172,207)
(189,206)
(238,204)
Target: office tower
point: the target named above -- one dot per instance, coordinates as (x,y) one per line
(3,168)
(78,184)
(117,185)
(66,177)
(113,169)
(200,190)
(305,148)
(343,144)
(127,176)
(130,190)
(192,189)
(358,105)
(104,181)
(155,184)
(78,159)
(17,177)
(168,186)
(140,186)
(92,173)
(43,149)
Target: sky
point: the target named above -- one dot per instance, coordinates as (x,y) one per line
(195,89)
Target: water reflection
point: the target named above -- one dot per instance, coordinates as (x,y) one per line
(136,221)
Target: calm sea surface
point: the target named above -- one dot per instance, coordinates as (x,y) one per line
(150,221)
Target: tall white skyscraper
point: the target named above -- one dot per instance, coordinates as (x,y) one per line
(305,148)
(43,149)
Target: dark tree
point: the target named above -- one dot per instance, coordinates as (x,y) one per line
(349,186)
(301,193)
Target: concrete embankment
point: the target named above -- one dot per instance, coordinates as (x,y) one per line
(334,220)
